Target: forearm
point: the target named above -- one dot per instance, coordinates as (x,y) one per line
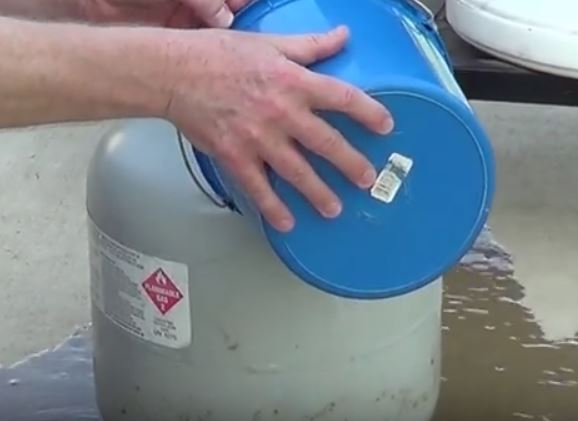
(53,10)
(52,72)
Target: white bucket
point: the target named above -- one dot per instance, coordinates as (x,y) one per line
(538,34)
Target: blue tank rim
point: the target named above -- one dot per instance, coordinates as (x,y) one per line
(256,9)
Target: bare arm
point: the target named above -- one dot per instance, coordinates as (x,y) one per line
(169,13)
(55,72)
(244,98)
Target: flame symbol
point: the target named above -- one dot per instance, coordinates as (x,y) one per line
(161,279)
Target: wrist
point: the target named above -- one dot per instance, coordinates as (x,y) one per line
(190,65)
(145,76)
(124,70)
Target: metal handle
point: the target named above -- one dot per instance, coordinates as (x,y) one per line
(212,197)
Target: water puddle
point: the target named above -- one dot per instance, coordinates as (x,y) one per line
(54,385)
(497,363)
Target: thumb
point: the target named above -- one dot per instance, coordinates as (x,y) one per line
(214,13)
(307,49)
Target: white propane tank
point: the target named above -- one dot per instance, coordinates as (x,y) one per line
(538,34)
(195,318)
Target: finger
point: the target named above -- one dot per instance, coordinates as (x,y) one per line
(253,180)
(183,18)
(236,5)
(308,49)
(324,140)
(328,93)
(286,161)
(215,13)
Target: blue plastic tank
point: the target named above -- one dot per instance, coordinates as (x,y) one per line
(436,169)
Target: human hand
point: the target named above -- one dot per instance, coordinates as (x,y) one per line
(168,13)
(247,98)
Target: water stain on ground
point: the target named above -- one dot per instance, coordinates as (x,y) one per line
(496,364)
(55,385)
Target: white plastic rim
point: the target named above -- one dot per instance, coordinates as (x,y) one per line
(541,35)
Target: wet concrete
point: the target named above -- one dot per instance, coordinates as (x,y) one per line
(54,385)
(496,363)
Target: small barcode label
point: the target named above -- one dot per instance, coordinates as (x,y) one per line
(391,178)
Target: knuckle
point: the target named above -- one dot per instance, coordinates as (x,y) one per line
(298,174)
(279,110)
(275,109)
(285,80)
(329,143)
(347,97)
(249,132)
(315,40)
(287,74)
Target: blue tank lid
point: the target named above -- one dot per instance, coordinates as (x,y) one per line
(431,202)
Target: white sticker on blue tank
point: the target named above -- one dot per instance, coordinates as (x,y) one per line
(146,296)
(391,178)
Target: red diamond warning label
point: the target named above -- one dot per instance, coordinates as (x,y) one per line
(144,295)
(162,291)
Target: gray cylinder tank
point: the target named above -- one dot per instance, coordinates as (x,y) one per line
(196,319)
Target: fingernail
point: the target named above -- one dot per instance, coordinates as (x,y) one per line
(224,17)
(332,210)
(386,125)
(368,178)
(339,31)
(286,224)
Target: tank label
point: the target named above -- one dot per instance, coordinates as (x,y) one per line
(391,178)
(144,295)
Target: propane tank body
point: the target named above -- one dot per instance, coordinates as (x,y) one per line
(250,340)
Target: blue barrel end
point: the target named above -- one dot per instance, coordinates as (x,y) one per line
(437,183)
(391,242)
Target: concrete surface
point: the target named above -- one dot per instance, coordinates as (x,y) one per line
(43,257)
(536,211)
